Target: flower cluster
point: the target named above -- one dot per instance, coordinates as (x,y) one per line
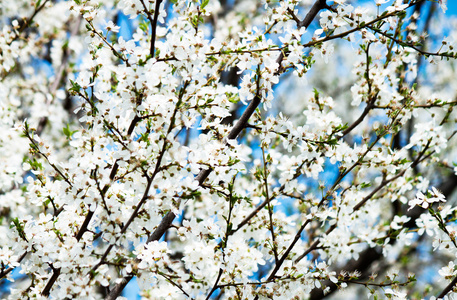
(230,149)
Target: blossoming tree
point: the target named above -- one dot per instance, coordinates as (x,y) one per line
(227,149)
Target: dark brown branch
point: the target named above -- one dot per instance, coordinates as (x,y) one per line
(154,27)
(27,22)
(215,286)
(449,288)
(315,9)
(153,21)
(52,280)
(10,269)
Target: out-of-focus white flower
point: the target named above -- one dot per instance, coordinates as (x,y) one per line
(443,5)
(397,295)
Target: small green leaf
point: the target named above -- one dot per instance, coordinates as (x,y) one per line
(75,87)
(204,3)
(68,132)
(316,93)
(365,185)
(144,26)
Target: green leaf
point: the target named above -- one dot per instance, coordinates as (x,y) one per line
(144,26)
(204,3)
(19,227)
(35,165)
(75,87)
(365,185)
(316,93)
(68,132)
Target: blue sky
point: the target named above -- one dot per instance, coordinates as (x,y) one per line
(452,7)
